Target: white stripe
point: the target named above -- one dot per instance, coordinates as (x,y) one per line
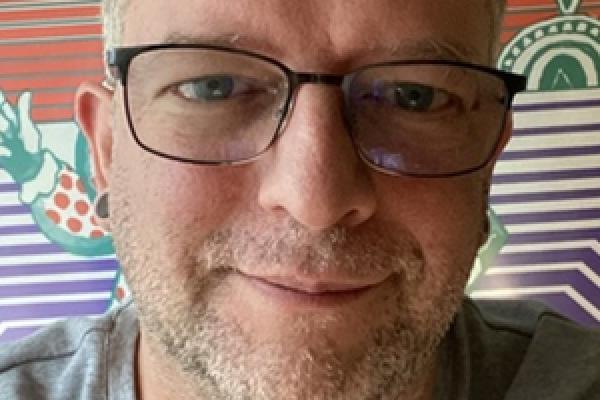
(547,164)
(35,259)
(556,141)
(12,220)
(29,238)
(524,269)
(557,96)
(49,39)
(553,226)
(56,298)
(515,292)
(546,206)
(546,246)
(545,186)
(35,323)
(561,117)
(9,199)
(4,177)
(75,277)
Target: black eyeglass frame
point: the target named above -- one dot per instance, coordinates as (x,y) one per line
(119,59)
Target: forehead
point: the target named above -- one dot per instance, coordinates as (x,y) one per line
(319,33)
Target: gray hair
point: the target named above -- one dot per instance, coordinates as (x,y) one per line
(113,11)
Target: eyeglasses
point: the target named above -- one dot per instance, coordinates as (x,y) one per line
(215,105)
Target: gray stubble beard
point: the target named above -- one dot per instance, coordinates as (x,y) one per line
(221,361)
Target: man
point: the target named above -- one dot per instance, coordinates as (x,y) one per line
(297,193)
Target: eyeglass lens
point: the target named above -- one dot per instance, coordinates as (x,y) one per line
(218,106)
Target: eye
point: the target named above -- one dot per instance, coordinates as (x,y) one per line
(410,96)
(212,88)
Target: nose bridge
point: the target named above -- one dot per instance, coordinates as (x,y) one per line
(316,176)
(322,79)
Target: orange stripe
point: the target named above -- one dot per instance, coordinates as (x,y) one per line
(522,20)
(52,114)
(87,11)
(46,98)
(45,83)
(75,30)
(531,3)
(54,98)
(61,65)
(52,49)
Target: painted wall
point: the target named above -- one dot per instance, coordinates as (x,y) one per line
(55,262)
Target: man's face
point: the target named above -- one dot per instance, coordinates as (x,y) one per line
(243,274)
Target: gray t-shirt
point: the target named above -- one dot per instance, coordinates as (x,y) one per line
(509,350)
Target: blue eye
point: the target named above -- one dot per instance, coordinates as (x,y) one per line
(210,88)
(409,96)
(413,97)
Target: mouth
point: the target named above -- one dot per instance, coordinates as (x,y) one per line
(290,291)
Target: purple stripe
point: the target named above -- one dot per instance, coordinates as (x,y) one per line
(546,176)
(29,249)
(587,256)
(549,153)
(9,187)
(560,195)
(19,229)
(556,236)
(558,105)
(549,278)
(567,216)
(15,209)
(542,130)
(41,289)
(66,267)
(13,334)
(53,310)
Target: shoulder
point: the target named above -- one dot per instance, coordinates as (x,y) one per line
(65,357)
(536,352)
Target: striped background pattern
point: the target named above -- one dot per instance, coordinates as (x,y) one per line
(47,47)
(548,197)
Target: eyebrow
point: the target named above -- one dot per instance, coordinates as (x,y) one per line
(235,40)
(427,48)
(434,49)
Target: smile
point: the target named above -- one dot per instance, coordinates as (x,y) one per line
(291,292)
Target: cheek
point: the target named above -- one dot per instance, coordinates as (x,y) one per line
(168,199)
(445,216)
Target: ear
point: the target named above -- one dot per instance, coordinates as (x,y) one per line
(93,112)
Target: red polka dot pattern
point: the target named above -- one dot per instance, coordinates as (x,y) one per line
(54,217)
(74,225)
(66,182)
(69,207)
(82,207)
(61,200)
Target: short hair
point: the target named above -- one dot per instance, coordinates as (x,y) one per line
(113,11)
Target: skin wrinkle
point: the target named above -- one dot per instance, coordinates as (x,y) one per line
(182,232)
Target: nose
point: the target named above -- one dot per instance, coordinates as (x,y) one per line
(313,172)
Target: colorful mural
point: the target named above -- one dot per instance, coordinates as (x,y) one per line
(56,262)
(546,188)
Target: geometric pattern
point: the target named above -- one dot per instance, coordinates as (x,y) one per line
(548,199)
(47,48)
(546,187)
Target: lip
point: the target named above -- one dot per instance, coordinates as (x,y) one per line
(293,292)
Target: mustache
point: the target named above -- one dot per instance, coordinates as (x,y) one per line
(341,250)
